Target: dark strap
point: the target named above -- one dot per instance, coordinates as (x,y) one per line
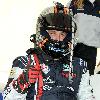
(40,78)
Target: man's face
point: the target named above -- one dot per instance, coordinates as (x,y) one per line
(57,35)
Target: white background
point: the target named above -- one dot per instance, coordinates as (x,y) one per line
(17,23)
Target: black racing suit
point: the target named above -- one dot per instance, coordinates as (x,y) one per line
(56,83)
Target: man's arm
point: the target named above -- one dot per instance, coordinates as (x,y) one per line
(20,78)
(9,92)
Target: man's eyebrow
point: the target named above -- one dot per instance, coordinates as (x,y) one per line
(50,30)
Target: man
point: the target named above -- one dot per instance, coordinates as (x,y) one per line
(87,14)
(45,73)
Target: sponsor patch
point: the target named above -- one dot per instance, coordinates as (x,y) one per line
(12,73)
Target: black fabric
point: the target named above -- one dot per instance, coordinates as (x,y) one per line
(56,49)
(91,66)
(60,93)
(19,62)
(87,53)
(31,92)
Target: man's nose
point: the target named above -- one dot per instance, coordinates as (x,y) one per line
(57,37)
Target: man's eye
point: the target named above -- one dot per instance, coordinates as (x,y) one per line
(63,34)
(52,33)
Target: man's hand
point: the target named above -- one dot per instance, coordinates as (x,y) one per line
(33,74)
(29,75)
